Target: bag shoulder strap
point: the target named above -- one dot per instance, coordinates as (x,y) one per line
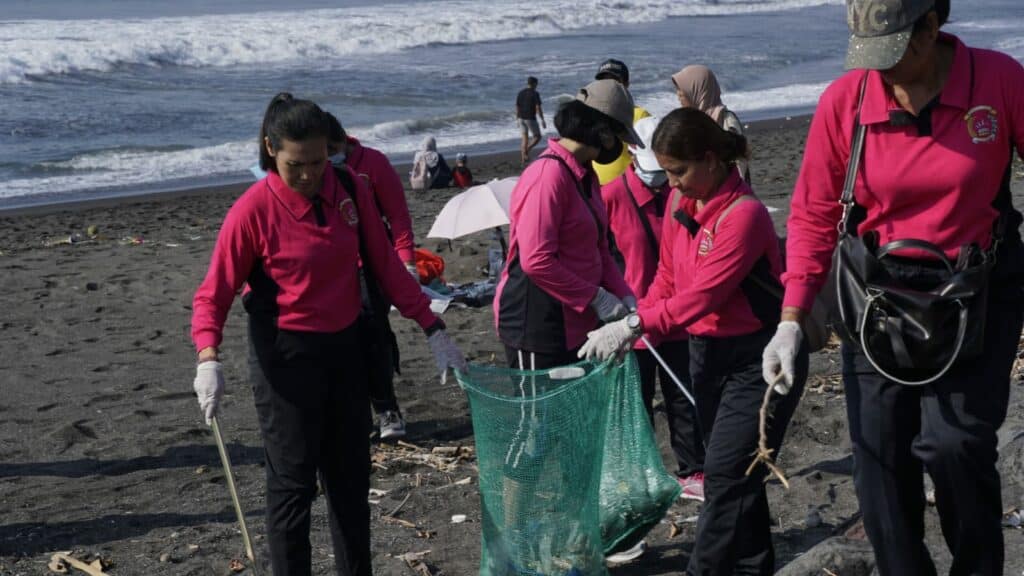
(735,203)
(853,163)
(349,185)
(651,238)
(585,195)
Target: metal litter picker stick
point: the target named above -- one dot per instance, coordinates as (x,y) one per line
(234,493)
(668,370)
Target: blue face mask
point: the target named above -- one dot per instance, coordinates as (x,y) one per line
(338,159)
(652,178)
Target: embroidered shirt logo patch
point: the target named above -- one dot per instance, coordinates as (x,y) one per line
(982,124)
(347,208)
(707,241)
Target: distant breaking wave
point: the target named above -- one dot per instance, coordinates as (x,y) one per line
(36,49)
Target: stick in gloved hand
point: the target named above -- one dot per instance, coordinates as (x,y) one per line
(234,493)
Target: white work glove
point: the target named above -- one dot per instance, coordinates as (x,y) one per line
(446,353)
(629,302)
(412,270)
(209,387)
(608,306)
(779,355)
(608,341)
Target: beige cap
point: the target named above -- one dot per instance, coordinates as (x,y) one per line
(613,100)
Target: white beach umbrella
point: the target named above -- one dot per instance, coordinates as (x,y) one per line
(478,208)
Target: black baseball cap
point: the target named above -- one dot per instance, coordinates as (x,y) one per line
(613,69)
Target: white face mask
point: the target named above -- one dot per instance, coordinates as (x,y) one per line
(652,178)
(338,159)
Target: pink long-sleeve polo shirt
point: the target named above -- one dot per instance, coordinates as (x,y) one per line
(631,237)
(937,187)
(304,273)
(559,246)
(697,285)
(386,186)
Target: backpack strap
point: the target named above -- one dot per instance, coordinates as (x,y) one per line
(681,216)
(584,194)
(651,238)
(348,184)
(735,203)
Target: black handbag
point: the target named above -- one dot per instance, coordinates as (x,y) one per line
(911,330)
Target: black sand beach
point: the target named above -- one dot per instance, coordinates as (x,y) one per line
(103,450)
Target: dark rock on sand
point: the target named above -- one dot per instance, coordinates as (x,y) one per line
(837,555)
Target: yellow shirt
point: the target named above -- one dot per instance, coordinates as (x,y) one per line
(608,172)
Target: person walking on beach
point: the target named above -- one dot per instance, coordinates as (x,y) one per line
(389,196)
(528,109)
(717,247)
(560,280)
(616,70)
(294,241)
(923,129)
(697,87)
(636,205)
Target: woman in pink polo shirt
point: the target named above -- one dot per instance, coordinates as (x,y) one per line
(636,205)
(940,122)
(560,280)
(388,194)
(718,248)
(294,241)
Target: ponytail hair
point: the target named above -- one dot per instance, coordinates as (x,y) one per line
(335,131)
(289,118)
(689,134)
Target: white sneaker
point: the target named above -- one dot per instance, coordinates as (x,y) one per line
(627,555)
(391,425)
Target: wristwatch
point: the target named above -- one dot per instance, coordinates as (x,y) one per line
(633,322)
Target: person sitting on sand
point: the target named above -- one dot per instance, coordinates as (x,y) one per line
(389,196)
(429,169)
(461,175)
(697,87)
(294,241)
(719,235)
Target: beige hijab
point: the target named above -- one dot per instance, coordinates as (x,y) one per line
(699,84)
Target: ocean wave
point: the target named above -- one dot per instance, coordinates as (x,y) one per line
(399,128)
(120,169)
(42,48)
(126,169)
(750,103)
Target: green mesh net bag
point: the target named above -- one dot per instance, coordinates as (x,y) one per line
(569,469)
(539,448)
(636,490)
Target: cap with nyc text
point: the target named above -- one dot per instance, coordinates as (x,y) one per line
(880,30)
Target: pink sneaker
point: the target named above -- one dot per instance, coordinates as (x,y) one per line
(693,487)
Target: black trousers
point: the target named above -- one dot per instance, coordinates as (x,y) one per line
(947,428)
(683,427)
(310,392)
(734,529)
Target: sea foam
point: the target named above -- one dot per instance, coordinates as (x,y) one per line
(36,49)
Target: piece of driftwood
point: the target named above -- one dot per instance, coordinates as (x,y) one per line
(763,455)
(60,559)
